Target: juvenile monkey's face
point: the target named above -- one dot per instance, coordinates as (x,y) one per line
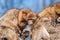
(30,22)
(31,18)
(28,15)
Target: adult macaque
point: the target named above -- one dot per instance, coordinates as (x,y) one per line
(52,13)
(15,19)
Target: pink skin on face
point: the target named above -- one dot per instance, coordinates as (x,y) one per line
(30,22)
(58,19)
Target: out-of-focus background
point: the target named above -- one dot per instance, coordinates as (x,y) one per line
(35,5)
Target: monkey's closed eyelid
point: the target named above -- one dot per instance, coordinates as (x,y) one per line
(46,20)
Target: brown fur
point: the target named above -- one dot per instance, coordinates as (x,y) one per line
(11,19)
(37,30)
(51,14)
(48,15)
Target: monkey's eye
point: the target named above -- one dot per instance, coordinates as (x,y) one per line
(45,19)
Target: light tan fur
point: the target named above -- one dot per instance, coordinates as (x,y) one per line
(50,14)
(11,19)
(38,31)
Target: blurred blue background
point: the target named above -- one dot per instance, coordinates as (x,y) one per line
(35,5)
